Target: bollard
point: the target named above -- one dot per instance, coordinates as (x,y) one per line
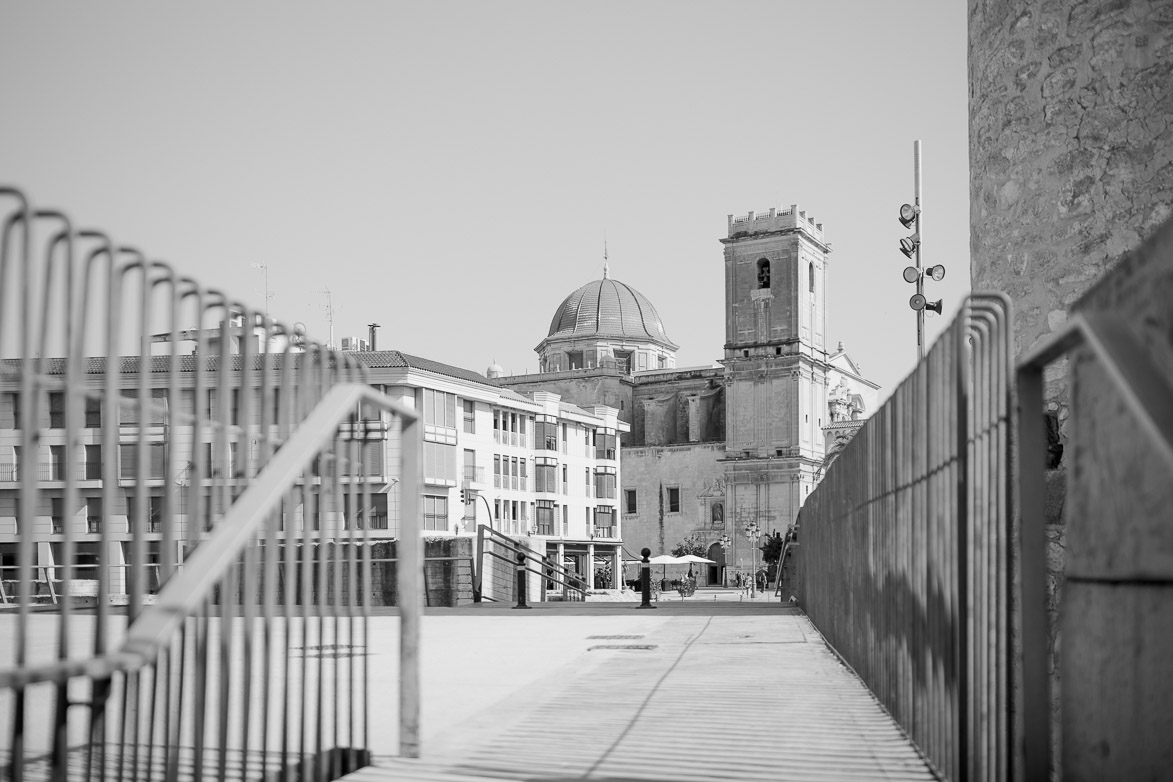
(521,581)
(645,579)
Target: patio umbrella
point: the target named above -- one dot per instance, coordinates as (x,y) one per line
(665,559)
(691,558)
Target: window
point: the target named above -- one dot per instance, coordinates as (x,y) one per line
(574,360)
(545,435)
(470,409)
(11,411)
(565,520)
(156,407)
(93,413)
(514,470)
(93,462)
(629,503)
(565,487)
(56,410)
(439,408)
(604,445)
(763,273)
(524,478)
(372,516)
(93,515)
(605,484)
(545,478)
(811,275)
(128,459)
(57,514)
(604,521)
(470,465)
(673,499)
(623,361)
(439,462)
(154,510)
(563,438)
(544,517)
(496,471)
(588,481)
(56,463)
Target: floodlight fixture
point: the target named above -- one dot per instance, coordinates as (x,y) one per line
(908,214)
(936,272)
(917,302)
(911,274)
(909,244)
(933,306)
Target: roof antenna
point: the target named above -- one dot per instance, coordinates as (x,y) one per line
(606,268)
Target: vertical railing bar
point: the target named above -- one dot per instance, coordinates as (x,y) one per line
(289,598)
(305,569)
(134,570)
(286,409)
(267,415)
(410,577)
(1032,441)
(1006,505)
(26,501)
(199,693)
(72,385)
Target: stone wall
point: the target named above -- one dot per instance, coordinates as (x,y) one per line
(696,471)
(1071,146)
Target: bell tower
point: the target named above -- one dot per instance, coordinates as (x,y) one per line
(775,364)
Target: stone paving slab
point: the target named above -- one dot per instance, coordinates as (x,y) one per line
(695,690)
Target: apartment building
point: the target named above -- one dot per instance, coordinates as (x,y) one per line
(533,467)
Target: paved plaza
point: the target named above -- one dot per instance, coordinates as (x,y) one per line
(713,687)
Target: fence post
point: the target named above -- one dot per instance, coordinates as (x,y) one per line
(645,579)
(521,603)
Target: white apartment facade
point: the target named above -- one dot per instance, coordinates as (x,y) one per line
(539,470)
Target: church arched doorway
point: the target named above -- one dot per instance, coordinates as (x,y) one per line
(716,571)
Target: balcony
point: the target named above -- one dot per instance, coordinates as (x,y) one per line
(366,430)
(604,532)
(473,476)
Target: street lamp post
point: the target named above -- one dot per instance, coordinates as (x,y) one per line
(724,541)
(753,532)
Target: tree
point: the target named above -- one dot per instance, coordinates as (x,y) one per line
(692,544)
(771,549)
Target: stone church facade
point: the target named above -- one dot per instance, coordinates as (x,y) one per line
(714,448)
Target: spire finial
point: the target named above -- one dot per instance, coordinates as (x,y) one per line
(606,266)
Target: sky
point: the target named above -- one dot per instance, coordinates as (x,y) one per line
(451,170)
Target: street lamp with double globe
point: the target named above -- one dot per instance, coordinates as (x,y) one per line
(753,532)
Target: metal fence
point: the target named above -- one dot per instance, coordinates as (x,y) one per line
(905,548)
(162,618)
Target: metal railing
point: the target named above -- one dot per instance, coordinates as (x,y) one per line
(905,543)
(250,660)
(1147,398)
(498,552)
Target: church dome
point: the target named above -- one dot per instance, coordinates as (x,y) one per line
(608,308)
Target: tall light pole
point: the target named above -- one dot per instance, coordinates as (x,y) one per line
(265,269)
(752,533)
(910,217)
